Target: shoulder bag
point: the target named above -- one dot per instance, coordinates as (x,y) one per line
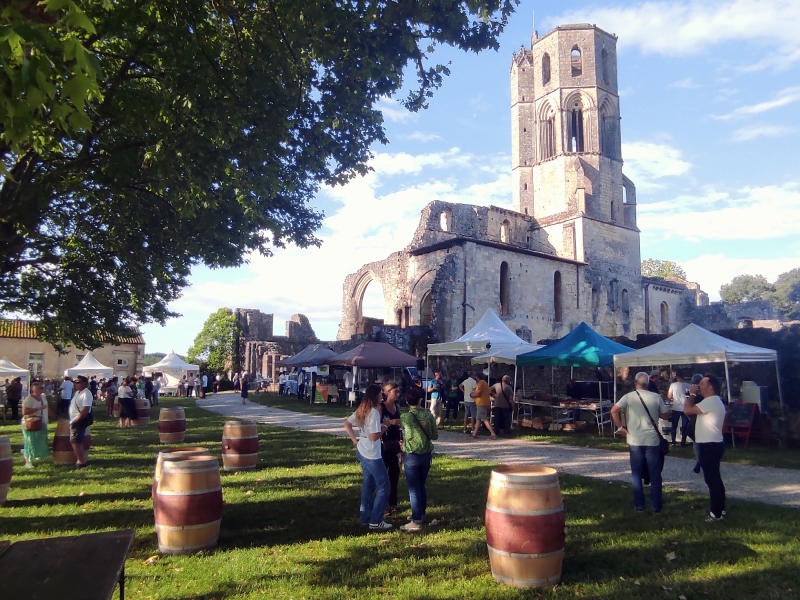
(663,444)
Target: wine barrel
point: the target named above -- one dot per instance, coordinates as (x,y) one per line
(525,526)
(239,445)
(63,454)
(173,455)
(189,505)
(6,467)
(142,411)
(171,425)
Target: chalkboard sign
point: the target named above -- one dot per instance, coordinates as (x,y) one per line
(740,414)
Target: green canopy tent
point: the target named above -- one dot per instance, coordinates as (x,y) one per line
(582,347)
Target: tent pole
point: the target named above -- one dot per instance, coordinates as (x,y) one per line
(552,380)
(728,380)
(780,393)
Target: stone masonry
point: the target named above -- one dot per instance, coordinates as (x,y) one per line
(569,252)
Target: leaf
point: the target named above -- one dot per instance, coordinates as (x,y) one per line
(152,560)
(671,556)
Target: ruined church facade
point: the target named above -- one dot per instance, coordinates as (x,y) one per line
(568,252)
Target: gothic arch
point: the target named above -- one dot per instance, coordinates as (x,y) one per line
(546,122)
(421,290)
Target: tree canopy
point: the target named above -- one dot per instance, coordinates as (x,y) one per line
(141,138)
(215,345)
(653,267)
(787,293)
(746,288)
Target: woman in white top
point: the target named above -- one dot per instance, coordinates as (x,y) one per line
(375,487)
(677,393)
(127,405)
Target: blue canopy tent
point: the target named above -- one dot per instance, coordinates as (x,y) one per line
(582,347)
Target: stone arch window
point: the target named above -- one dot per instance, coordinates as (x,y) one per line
(625,303)
(557,300)
(426,309)
(612,211)
(575,137)
(664,317)
(576,61)
(547,133)
(545,68)
(446,219)
(613,294)
(604,67)
(505,231)
(505,289)
(595,302)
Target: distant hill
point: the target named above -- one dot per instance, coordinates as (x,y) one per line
(153,358)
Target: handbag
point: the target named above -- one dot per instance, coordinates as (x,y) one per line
(84,422)
(663,444)
(33,423)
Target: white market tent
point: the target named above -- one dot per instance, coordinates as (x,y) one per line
(88,366)
(490,332)
(173,367)
(695,345)
(8,370)
(505,354)
(488,335)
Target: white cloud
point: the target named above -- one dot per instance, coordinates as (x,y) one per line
(646,162)
(780,60)
(752,132)
(394,111)
(687,83)
(752,213)
(419,136)
(783,98)
(686,28)
(713,270)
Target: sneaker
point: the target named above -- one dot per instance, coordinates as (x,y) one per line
(382,526)
(412,526)
(712,519)
(422,520)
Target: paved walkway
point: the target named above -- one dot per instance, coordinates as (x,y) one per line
(761,484)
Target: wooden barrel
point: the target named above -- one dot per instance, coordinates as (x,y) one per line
(63,454)
(189,501)
(171,425)
(173,455)
(239,445)
(142,411)
(6,467)
(525,526)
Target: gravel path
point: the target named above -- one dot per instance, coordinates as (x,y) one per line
(761,484)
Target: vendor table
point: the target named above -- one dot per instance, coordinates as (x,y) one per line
(87,567)
(562,410)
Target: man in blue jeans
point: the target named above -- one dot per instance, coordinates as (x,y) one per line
(641,410)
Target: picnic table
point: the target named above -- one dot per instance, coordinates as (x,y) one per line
(85,566)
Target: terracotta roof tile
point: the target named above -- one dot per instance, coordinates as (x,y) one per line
(19,328)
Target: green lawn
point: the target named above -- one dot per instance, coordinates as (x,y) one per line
(290,529)
(755,454)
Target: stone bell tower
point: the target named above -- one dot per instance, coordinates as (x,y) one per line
(567,158)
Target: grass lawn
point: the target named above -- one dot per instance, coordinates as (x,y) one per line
(589,438)
(290,529)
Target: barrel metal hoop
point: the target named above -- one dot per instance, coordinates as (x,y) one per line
(182,527)
(229,456)
(188,492)
(170,468)
(239,437)
(530,582)
(525,513)
(517,555)
(513,485)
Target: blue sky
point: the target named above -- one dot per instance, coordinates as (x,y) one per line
(710,98)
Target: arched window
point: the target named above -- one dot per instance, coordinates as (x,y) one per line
(446,219)
(505,232)
(505,289)
(557,307)
(545,68)
(609,145)
(576,127)
(547,133)
(612,211)
(626,307)
(664,317)
(604,66)
(426,309)
(576,62)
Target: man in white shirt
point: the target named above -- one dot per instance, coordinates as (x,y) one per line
(79,409)
(642,410)
(710,445)
(282,379)
(66,394)
(470,409)
(203,385)
(677,393)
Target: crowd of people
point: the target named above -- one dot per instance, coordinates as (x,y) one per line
(701,413)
